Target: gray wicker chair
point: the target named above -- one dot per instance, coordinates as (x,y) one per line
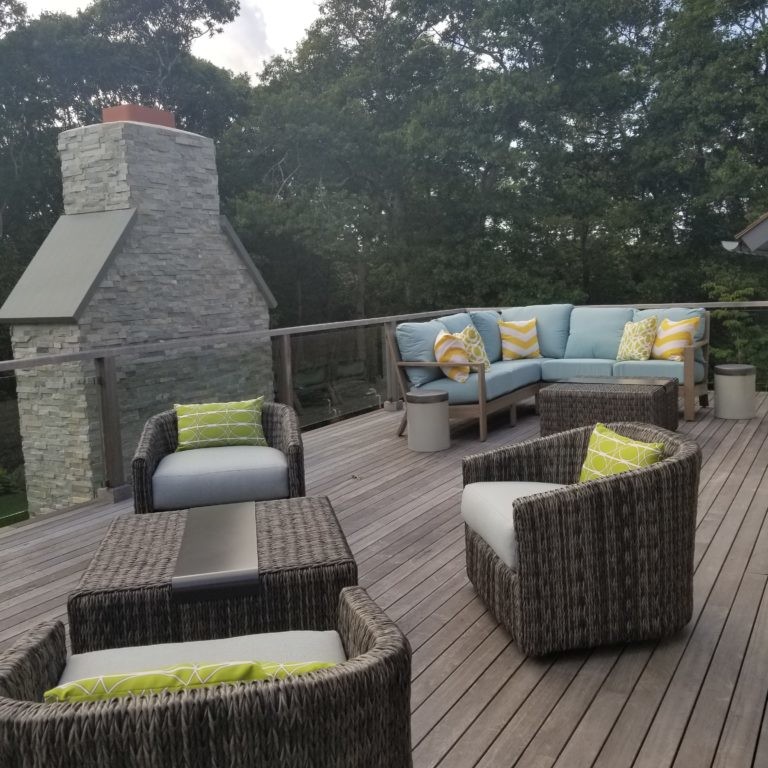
(356,714)
(601,562)
(160,438)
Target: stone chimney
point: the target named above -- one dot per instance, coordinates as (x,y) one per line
(141,254)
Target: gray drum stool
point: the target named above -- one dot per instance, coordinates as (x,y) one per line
(734,391)
(428,427)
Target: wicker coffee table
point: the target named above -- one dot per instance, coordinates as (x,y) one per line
(581,402)
(126,596)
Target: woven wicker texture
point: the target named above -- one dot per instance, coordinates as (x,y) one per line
(600,562)
(125,598)
(567,405)
(353,715)
(160,437)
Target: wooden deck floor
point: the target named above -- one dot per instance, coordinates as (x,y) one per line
(697,699)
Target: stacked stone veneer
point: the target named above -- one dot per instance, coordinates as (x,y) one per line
(176,275)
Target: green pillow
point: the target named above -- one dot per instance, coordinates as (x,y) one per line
(637,340)
(177,678)
(209,425)
(609,453)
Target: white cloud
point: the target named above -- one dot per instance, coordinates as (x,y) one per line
(263,29)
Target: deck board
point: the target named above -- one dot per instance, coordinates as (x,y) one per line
(697,699)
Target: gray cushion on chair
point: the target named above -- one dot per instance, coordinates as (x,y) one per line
(280,647)
(223,475)
(488,509)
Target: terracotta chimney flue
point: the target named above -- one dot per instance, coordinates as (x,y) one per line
(136,113)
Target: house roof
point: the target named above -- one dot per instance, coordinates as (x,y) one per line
(753,238)
(60,279)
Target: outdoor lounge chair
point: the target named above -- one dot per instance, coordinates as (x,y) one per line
(583,564)
(225,483)
(356,713)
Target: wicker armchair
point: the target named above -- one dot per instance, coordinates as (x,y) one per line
(160,438)
(352,715)
(601,562)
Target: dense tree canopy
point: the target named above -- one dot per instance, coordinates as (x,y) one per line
(414,154)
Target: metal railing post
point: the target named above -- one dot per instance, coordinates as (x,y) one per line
(285,372)
(110,422)
(388,364)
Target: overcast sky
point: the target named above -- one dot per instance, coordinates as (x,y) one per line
(263,28)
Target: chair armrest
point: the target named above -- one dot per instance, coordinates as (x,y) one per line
(618,550)
(365,628)
(435,364)
(554,459)
(158,438)
(281,429)
(34,664)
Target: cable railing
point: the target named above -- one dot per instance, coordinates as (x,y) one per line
(327,371)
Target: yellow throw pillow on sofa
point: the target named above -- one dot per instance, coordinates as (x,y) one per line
(518,339)
(610,453)
(473,343)
(672,337)
(637,339)
(451,353)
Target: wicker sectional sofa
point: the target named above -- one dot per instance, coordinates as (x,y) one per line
(574,342)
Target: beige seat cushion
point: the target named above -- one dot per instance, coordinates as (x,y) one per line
(488,509)
(281,647)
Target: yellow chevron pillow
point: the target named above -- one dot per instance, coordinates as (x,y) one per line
(518,339)
(473,342)
(451,353)
(672,337)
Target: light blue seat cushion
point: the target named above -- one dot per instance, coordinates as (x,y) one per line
(416,342)
(552,324)
(552,370)
(487,324)
(657,369)
(596,331)
(504,377)
(675,314)
(456,323)
(222,475)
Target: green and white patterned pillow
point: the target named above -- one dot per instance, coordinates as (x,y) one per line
(637,339)
(610,453)
(475,348)
(209,425)
(176,678)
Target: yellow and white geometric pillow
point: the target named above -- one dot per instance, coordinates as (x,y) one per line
(672,337)
(610,453)
(177,678)
(519,339)
(473,343)
(637,339)
(451,353)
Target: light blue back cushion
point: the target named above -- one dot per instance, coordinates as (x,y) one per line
(487,324)
(674,314)
(552,324)
(596,331)
(417,343)
(456,323)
